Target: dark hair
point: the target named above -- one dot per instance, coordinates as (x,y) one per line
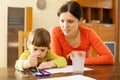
(73,7)
(39,37)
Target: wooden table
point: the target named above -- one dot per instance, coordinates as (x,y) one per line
(99,72)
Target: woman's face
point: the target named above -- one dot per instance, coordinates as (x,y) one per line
(68,23)
(39,52)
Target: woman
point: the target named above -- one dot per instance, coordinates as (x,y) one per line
(70,36)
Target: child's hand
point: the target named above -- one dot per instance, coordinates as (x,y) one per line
(32,60)
(45,65)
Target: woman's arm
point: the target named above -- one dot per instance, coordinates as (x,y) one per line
(104,54)
(55,44)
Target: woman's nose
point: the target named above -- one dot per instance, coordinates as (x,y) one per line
(65,25)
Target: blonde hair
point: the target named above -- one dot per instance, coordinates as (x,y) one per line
(39,37)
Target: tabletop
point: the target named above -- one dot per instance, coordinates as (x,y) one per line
(99,72)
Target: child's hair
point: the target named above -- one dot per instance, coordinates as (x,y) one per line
(39,37)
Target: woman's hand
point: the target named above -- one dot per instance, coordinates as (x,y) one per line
(76,54)
(45,65)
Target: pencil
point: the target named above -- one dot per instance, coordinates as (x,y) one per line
(37,69)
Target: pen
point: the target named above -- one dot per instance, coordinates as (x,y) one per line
(37,69)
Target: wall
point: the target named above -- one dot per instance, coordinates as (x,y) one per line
(3,34)
(46,18)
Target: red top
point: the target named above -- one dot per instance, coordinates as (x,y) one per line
(88,39)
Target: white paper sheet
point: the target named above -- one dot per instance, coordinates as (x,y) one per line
(64,70)
(73,77)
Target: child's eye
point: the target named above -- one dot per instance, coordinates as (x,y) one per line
(62,21)
(35,49)
(42,50)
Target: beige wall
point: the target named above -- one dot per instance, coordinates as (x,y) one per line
(3,34)
(46,18)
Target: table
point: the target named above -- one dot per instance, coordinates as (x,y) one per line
(99,72)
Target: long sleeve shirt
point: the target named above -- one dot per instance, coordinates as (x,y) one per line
(88,39)
(58,60)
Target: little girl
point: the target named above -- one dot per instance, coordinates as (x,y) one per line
(39,54)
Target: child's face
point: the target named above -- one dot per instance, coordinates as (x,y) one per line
(39,52)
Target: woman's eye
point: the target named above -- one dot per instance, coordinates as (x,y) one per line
(70,21)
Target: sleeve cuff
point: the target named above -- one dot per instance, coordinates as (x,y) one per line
(19,64)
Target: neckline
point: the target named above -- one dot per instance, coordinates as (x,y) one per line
(66,44)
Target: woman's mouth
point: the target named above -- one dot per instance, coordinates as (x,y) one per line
(66,31)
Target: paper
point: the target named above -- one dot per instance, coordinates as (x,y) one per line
(64,70)
(73,77)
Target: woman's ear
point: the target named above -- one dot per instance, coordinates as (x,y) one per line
(82,21)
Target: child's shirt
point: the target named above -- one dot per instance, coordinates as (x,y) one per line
(58,60)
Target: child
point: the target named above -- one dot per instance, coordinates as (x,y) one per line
(39,54)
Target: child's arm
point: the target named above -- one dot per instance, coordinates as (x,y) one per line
(53,61)
(25,61)
(49,64)
(26,64)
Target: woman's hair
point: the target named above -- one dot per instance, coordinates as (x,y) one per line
(39,37)
(73,7)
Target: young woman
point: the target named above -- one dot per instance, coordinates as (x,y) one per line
(71,36)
